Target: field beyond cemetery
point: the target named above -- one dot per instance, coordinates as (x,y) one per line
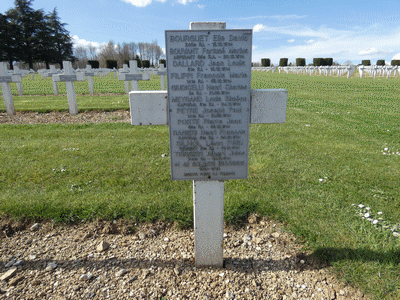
(331,173)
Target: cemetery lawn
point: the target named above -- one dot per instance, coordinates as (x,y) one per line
(109,94)
(339,148)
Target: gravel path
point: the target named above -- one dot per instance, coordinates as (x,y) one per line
(103,260)
(65,117)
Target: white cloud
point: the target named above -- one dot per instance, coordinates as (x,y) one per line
(373,51)
(259,28)
(291,41)
(142,3)
(309,42)
(82,42)
(184,2)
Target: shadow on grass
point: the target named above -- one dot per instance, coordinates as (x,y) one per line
(331,255)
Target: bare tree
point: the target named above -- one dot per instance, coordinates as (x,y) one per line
(92,52)
(133,50)
(127,51)
(81,54)
(141,47)
(107,52)
(124,54)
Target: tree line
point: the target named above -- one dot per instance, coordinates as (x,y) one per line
(28,35)
(33,36)
(121,53)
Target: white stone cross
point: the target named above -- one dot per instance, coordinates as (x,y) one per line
(132,75)
(151,107)
(22,73)
(5,79)
(125,70)
(69,77)
(49,73)
(89,73)
(162,72)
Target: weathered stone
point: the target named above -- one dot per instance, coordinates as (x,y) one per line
(275,235)
(103,246)
(10,263)
(35,227)
(121,273)
(51,266)
(16,280)
(7,275)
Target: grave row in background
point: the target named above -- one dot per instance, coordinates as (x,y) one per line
(373,71)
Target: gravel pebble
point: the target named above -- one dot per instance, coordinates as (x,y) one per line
(144,269)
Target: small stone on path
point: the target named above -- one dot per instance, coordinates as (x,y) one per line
(103,246)
(121,272)
(35,227)
(7,275)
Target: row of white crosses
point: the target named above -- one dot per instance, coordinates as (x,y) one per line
(264,69)
(321,70)
(151,108)
(379,70)
(133,74)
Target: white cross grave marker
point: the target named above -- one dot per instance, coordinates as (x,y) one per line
(133,76)
(5,79)
(219,96)
(162,72)
(18,71)
(49,73)
(89,73)
(69,77)
(125,70)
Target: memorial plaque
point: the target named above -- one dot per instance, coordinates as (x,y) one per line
(131,77)
(5,79)
(68,78)
(209,75)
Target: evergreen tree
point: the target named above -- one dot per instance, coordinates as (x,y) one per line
(27,23)
(34,35)
(7,41)
(62,47)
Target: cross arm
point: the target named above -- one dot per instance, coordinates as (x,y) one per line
(151,107)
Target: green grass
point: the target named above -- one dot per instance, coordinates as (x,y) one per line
(109,95)
(336,130)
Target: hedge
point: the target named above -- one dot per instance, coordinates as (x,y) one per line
(283,62)
(300,62)
(366,62)
(265,62)
(319,61)
(145,63)
(95,64)
(111,64)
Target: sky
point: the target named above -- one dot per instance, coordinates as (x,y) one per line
(351,30)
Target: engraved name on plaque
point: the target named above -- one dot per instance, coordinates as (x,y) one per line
(209,75)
